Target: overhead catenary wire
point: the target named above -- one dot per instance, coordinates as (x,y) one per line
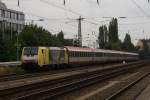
(62,8)
(140,8)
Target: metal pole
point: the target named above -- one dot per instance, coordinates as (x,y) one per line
(17,47)
(3,30)
(79,31)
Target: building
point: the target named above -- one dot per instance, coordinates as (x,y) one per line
(11,22)
(142,43)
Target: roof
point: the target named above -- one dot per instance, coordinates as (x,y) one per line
(2,5)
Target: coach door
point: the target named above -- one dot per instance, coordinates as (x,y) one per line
(62,56)
(44,56)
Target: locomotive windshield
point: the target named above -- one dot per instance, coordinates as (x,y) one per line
(30,51)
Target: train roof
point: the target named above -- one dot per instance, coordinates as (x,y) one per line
(56,48)
(71,48)
(115,51)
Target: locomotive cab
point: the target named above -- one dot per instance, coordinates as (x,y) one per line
(30,55)
(35,56)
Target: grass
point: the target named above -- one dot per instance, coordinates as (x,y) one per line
(11,70)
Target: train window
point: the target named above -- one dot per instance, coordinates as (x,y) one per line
(30,51)
(76,54)
(73,54)
(70,54)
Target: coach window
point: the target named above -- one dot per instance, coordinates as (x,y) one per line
(78,54)
(70,54)
(75,54)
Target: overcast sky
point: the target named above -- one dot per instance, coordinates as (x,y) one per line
(59,17)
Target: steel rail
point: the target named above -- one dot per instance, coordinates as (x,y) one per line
(114,95)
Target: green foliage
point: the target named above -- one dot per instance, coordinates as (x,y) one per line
(103,36)
(127,44)
(7,50)
(113,31)
(33,35)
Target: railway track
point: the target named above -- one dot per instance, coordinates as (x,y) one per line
(11,77)
(53,88)
(125,88)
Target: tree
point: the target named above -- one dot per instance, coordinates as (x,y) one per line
(127,44)
(60,37)
(103,36)
(32,35)
(113,31)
